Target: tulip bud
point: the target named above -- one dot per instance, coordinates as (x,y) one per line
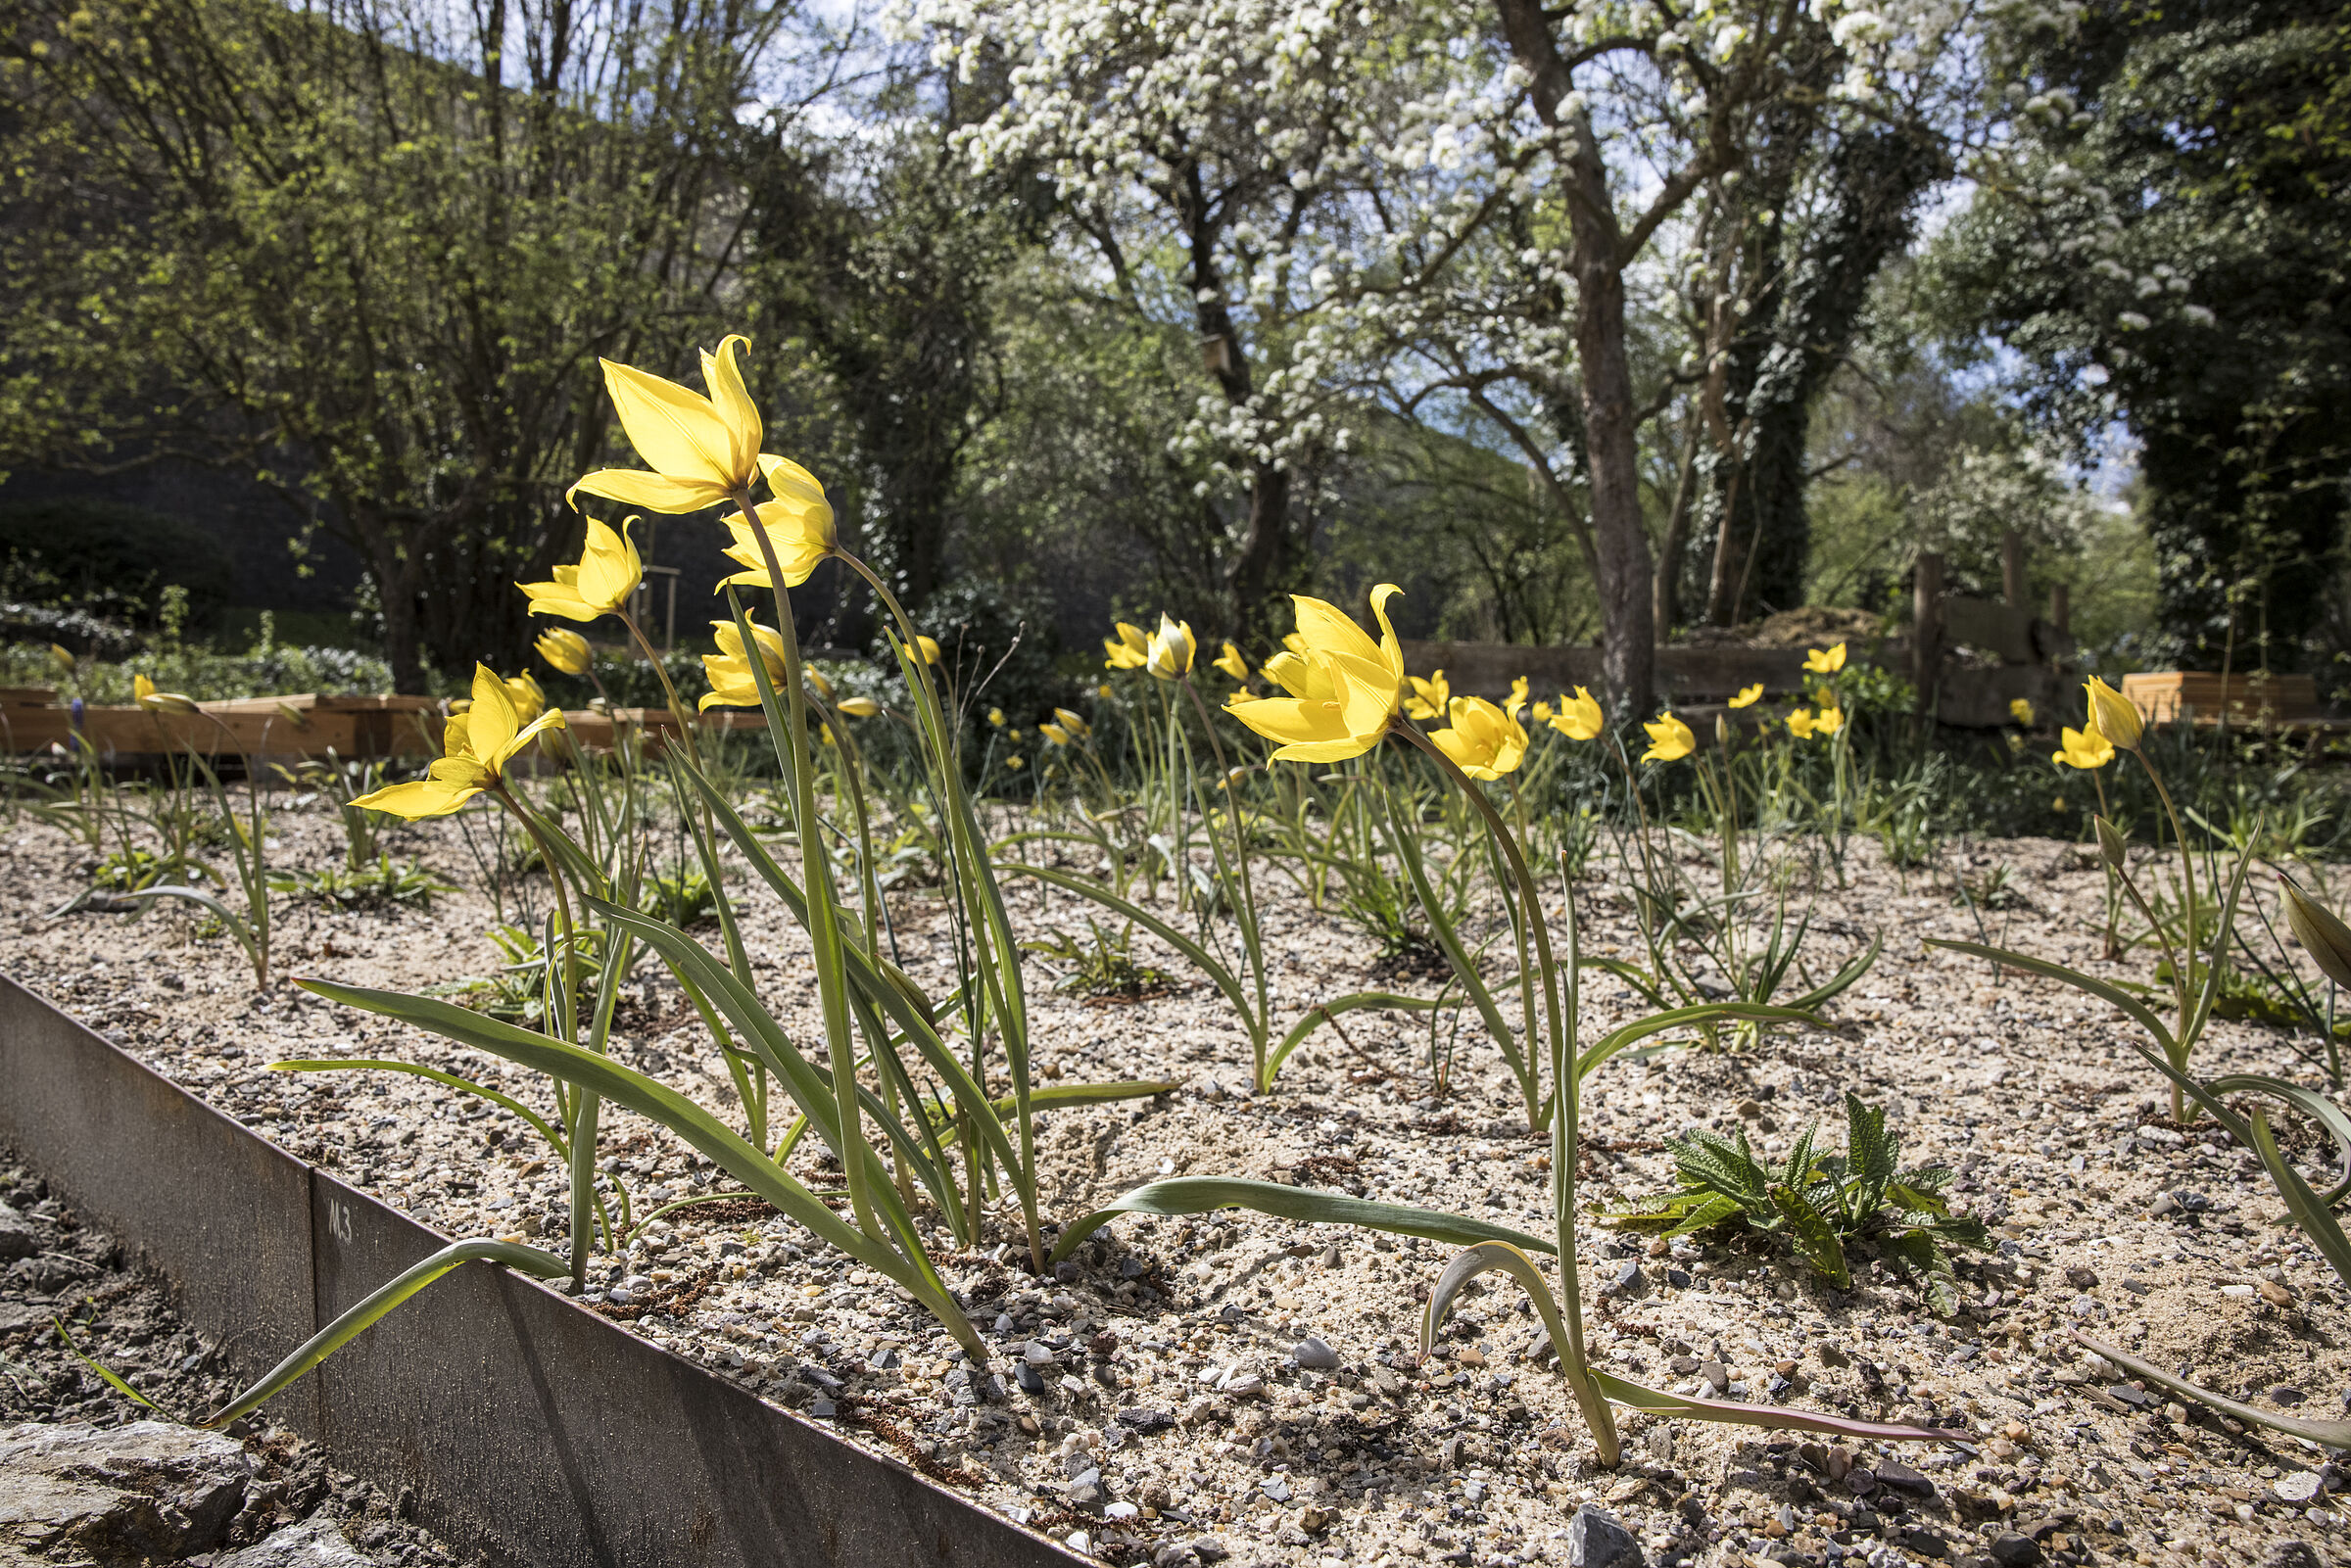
(817,682)
(1722,731)
(2110,843)
(564,651)
(62,657)
(2323,936)
(860,707)
(2116,715)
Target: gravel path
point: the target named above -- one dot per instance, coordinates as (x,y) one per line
(1171,1420)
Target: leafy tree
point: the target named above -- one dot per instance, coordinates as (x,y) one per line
(2170,243)
(367,254)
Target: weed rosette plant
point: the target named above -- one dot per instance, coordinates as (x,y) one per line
(1827,1208)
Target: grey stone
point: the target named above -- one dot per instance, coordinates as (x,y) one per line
(1036,1354)
(2012,1550)
(1895,1473)
(19,1237)
(1210,1549)
(2296,1486)
(145,1489)
(1314,1355)
(1598,1538)
(1248,1385)
(1026,1376)
(1276,1489)
(314,1543)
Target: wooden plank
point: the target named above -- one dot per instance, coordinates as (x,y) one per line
(26,696)
(2252,699)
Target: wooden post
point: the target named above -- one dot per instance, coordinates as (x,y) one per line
(2061,608)
(2013,570)
(1926,627)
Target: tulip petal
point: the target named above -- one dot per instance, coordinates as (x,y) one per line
(425,797)
(722,374)
(674,429)
(490,724)
(655,492)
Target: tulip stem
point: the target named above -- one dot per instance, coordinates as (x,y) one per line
(564,1026)
(1566,1091)
(824,926)
(677,705)
(1240,855)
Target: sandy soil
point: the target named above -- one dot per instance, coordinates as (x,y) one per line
(1173,1423)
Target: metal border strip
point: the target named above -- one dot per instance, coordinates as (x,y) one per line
(526,1428)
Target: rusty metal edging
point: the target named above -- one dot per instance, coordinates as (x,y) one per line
(528,1428)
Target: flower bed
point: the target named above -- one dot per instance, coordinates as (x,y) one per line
(1164,1398)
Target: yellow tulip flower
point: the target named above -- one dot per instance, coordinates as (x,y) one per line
(1343,688)
(564,649)
(1799,723)
(1518,700)
(797,521)
(527,700)
(1830,721)
(476,745)
(703,450)
(995,716)
(1169,654)
(729,672)
(817,682)
(144,693)
(1485,741)
(1016,764)
(1669,739)
(2021,711)
(2115,715)
(1130,649)
(62,656)
(1749,696)
(607,573)
(1825,661)
(926,646)
(1541,712)
(858,707)
(1579,717)
(1232,664)
(1104,691)
(1075,723)
(2084,748)
(1054,733)
(1429,698)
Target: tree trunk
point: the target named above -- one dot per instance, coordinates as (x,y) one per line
(404,643)
(1265,554)
(1677,537)
(1628,628)
(1628,631)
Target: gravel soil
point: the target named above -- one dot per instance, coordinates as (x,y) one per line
(1150,1398)
(287,1507)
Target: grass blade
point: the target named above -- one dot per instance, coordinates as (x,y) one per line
(2327,1434)
(378,1301)
(1198,1195)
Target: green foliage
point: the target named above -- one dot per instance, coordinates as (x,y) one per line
(1822,1206)
(683,896)
(110,560)
(379,284)
(2163,248)
(375,882)
(1103,967)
